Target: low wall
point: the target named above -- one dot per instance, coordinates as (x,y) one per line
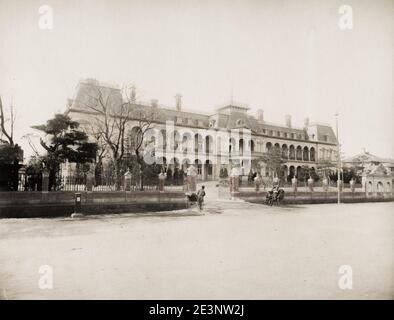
(61,204)
(315,197)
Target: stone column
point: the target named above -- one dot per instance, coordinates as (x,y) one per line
(340,185)
(352,185)
(191,178)
(257,182)
(325,184)
(234,179)
(234,184)
(294,184)
(192,183)
(203,171)
(45,181)
(237,182)
(162,179)
(310,184)
(127,181)
(89,181)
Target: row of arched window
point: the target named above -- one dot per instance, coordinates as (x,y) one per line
(293,152)
(187,143)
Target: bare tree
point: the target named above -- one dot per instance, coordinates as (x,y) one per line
(138,137)
(10,153)
(109,124)
(4,132)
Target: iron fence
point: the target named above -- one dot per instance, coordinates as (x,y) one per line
(34,182)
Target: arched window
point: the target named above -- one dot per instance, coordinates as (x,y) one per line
(305,155)
(163,139)
(241,146)
(208,144)
(198,165)
(252,145)
(292,153)
(186,142)
(285,151)
(231,146)
(312,154)
(299,153)
(379,187)
(197,143)
(174,140)
(209,168)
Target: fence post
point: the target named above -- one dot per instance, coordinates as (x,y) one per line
(257,182)
(191,178)
(310,184)
(325,184)
(162,178)
(294,184)
(89,181)
(127,181)
(45,181)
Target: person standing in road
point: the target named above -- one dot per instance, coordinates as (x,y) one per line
(200,197)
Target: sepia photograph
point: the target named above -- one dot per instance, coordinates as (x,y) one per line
(167,150)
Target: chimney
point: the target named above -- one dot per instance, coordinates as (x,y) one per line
(178,102)
(260,115)
(69,103)
(133,95)
(306,122)
(288,120)
(154,103)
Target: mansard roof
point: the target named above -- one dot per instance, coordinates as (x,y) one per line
(325,131)
(228,116)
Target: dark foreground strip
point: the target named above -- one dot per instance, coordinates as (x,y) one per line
(198,309)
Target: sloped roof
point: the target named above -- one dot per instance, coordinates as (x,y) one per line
(89,93)
(377,170)
(366,157)
(229,116)
(324,131)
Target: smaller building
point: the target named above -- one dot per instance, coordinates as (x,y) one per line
(365,159)
(377,180)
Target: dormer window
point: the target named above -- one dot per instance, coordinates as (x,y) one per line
(212,123)
(239,122)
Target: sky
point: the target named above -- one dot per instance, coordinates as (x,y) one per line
(285,57)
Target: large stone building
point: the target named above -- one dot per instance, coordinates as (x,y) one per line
(229,135)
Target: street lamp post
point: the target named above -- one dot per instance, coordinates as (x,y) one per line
(338,161)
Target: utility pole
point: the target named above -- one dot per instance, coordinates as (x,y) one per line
(12,118)
(338,160)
